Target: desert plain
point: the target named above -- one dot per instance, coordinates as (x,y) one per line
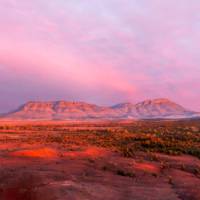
(101,160)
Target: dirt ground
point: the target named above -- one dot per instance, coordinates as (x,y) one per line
(40,171)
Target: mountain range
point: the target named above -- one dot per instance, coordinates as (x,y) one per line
(64,110)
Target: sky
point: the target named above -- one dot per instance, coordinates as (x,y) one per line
(99,51)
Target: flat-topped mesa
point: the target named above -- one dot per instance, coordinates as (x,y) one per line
(61,106)
(31,106)
(54,105)
(60,110)
(156,108)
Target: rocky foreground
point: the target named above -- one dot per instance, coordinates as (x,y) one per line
(46,173)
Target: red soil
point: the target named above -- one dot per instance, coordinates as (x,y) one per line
(51,171)
(37,153)
(93,173)
(146,167)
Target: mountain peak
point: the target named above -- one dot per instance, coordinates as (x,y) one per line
(161,100)
(157,101)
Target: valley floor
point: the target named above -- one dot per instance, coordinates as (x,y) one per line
(59,161)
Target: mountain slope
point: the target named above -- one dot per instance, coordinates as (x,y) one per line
(156,108)
(60,110)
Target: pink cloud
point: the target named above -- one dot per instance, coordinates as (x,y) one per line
(117,50)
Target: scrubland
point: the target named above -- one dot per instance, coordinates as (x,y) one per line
(100,160)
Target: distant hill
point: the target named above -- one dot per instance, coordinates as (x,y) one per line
(64,110)
(156,108)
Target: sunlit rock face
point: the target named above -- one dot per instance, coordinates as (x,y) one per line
(148,109)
